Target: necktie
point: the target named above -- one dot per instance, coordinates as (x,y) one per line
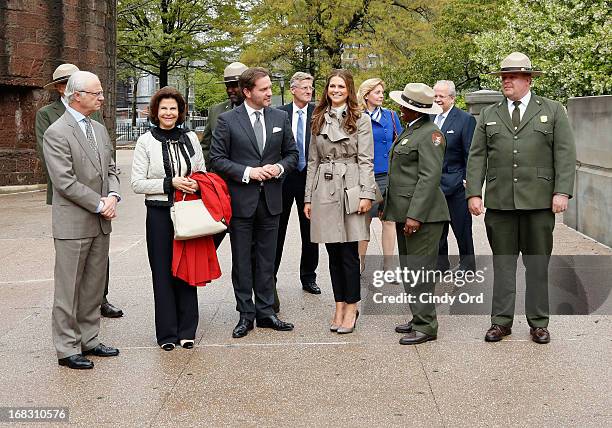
(259,133)
(439,120)
(516,115)
(300,141)
(90,137)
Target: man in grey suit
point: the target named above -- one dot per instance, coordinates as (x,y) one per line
(80,163)
(45,116)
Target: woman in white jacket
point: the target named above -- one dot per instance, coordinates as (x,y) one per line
(163,159)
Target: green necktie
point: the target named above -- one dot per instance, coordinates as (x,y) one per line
(516,115)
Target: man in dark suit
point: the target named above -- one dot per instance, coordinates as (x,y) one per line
(458,129)
(294,184)
(45,116)
(79,157)
(252,148)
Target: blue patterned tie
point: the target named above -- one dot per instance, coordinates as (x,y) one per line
(300,141)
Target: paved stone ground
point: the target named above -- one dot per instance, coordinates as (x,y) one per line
(308,377)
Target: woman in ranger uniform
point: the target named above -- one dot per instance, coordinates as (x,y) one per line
(340,188)
(415,202)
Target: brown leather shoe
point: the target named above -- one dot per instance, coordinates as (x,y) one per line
(540,335)
(497,332)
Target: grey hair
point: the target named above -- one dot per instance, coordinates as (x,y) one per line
(451,86)
(77,82)
(298,77)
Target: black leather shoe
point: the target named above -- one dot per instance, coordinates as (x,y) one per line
(416,337)
(76,361)
(496,332)
(404,328)
(109,311)
(540,335)
(242,328)
(102,351)
(274,323)
(311,287)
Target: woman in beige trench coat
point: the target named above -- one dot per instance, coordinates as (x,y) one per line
(340,157)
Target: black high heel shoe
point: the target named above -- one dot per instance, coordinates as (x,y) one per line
(347,330)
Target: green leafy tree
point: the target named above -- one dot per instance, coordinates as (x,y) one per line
(443,43)
(158,36)
(570,40)
(208,90)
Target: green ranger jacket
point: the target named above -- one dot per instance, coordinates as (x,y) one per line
(45,116)
(211,123)
(523,168)
(415,169)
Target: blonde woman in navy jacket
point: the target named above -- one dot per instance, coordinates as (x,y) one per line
(385,128)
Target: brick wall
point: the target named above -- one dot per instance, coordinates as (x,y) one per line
(35,37)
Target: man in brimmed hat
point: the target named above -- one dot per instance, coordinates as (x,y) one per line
(415,202)
(44,118)
(231,74)
(525,149)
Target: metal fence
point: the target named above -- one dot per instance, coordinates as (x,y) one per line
(126,132)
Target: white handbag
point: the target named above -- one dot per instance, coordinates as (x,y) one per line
(192,220)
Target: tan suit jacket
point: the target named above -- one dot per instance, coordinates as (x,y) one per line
(45,116)
(79,180)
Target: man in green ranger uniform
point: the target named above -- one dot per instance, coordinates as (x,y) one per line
(524,148)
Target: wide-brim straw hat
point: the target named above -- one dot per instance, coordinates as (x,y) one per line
(62,74)
(418,97)
(516,62)
(233,71)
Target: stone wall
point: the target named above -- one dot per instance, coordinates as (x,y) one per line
(590,209)
(35,37)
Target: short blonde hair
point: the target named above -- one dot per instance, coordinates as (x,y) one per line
(365,88)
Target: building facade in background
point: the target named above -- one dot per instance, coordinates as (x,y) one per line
(35,37)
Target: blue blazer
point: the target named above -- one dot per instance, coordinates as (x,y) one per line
(458,130)
(383,139)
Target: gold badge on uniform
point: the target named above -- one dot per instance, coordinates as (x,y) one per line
(436,138)
(543,119)
(404,141)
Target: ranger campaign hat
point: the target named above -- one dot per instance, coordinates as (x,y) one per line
(418,97)
(233,71)
(516,62)
(62,74)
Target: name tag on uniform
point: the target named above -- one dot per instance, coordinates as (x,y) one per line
(450,131)
(276,129)
(404,141)
(543,119)
(491,123)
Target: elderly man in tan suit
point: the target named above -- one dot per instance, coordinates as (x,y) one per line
(45,116)
(79,160)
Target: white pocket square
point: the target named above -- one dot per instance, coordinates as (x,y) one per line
(450,131)
(276,129)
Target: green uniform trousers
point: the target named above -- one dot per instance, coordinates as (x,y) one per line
(420,252)
(529,232)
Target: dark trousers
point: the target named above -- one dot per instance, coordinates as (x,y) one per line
(461,222)
(254,239)
(344,271)
(419,252)
(529,232)
(293,189)
(176,302)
